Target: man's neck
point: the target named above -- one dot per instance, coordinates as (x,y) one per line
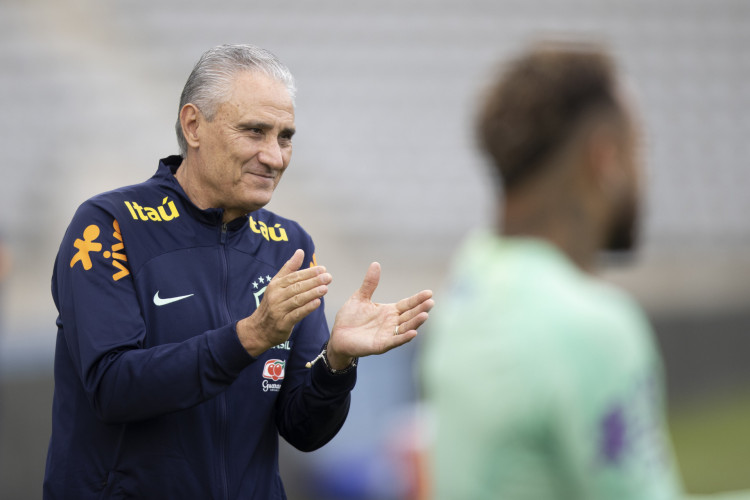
(192,186)
(562,224)
(197,192)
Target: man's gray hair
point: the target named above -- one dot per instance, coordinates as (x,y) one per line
(211,79)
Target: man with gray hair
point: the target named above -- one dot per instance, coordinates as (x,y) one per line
(191,330)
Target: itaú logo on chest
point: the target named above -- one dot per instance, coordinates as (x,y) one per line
(270,233)
(274,369)
(157,214)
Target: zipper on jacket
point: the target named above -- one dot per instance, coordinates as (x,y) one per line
(222,401)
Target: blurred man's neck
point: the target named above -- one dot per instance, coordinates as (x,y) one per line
(555,216)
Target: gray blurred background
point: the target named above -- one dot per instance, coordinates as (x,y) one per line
(385,169)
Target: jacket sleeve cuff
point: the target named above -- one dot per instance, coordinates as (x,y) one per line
(331,384)
(228,351)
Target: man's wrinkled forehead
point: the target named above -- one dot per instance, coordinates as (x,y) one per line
(249,83)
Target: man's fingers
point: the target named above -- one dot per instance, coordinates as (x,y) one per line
(416,300)
(306,295)
(294,303)
(415,316)
(298,314)
(370,283)
(294,281)
(413,323)
(300,281)
(290,296)
(294,293)
(401,339)
(293,264)
(420,308)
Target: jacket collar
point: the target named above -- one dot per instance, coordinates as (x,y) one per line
(165,177)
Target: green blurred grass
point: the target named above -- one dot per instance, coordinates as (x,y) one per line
(712,442)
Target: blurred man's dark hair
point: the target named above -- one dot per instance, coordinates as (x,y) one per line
(539,103)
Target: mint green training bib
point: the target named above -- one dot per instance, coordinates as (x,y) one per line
(544,381)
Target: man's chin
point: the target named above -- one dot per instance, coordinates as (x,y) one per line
(621,246)
(623,234)
(257,201)
(625,242)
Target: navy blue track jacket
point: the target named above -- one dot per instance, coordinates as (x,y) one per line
(155,397)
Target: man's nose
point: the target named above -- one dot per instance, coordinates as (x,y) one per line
(270,153)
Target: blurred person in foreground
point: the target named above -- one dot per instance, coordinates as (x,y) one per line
(546,383)
(191,330)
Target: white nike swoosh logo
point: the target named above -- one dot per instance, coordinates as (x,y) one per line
(162,302)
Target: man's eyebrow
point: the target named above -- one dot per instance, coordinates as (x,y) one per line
(255,124)
(288,131)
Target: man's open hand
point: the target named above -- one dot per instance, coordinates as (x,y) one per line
(290,296)
(363,327)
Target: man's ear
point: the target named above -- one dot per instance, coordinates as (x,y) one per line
(190,118)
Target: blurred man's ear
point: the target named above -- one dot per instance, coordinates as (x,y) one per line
(602,159)
(189,120)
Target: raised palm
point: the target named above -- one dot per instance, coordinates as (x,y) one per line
(363,328)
